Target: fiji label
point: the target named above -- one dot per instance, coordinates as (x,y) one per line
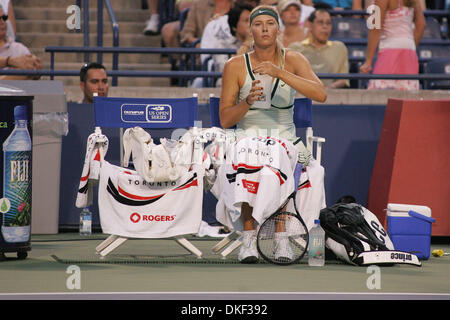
(16,202)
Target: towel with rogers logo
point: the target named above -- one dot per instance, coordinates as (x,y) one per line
(131,207)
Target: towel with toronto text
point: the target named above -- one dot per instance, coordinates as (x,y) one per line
(131,207)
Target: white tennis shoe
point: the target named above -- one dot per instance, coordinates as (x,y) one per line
(282,250)
(248,252)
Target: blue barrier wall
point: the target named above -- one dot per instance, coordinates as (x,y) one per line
(351,132)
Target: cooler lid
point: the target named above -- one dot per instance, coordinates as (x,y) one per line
(401,210)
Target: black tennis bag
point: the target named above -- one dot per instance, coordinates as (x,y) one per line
(356,236)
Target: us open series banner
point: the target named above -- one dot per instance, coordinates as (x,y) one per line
(145,113)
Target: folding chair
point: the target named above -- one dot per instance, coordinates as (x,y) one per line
(349,28)
(302,119)
(432,29)
(151,113)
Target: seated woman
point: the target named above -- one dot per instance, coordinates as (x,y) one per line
(291,73)
(290,13)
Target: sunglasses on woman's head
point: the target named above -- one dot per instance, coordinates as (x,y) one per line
(4,17)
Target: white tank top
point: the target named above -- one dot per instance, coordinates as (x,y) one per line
(277,121)
(398,32)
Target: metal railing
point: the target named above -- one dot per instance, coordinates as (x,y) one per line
(426,13)
(116,50)
(115,30)
(192,74)
(216,74)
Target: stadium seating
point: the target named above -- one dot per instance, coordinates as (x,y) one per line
(433,51)
(356,54)
(437,66)
(432,29)
(354,28)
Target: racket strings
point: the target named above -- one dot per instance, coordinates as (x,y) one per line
(282,239)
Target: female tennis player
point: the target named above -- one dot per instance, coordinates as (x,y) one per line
(291,73)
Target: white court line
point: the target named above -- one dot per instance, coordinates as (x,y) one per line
(224,296)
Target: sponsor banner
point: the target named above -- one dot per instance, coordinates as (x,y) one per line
(131,207)
(146,113)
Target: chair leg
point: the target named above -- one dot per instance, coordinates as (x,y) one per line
(225,241)
(236,244)
(105,243)
(188,246)
(114,244)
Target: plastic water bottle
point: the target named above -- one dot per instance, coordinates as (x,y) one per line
(85,222)
(17,174)
(316,251)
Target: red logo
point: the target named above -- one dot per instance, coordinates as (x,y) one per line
(135,217)
(251,186)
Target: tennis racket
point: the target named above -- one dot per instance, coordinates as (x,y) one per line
(283,238)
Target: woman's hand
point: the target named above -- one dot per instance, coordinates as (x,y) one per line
(365,68)
(256,92)
(267,67)
(28,61)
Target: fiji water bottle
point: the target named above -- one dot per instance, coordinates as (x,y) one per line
(16,202)
(85,222)
(316,249)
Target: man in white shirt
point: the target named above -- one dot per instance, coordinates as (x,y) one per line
(225,32)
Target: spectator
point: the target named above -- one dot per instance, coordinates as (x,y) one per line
(152,24)
(306,10)
(170,31)
(93,79)
(269,2)
(14,54)
(228,31)
(11,22)
(325,56)
(401,29)
(289,11)
(341,4)
(199,15)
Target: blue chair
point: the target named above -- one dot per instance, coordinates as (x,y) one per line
(433,51)
(302,119)
(437,66)
(152,113)
(347,27)
(214,103)
(432,29)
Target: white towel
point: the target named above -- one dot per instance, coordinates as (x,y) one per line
(131,207)
(96,149)
(139,144)
(310,197)
(258,171)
